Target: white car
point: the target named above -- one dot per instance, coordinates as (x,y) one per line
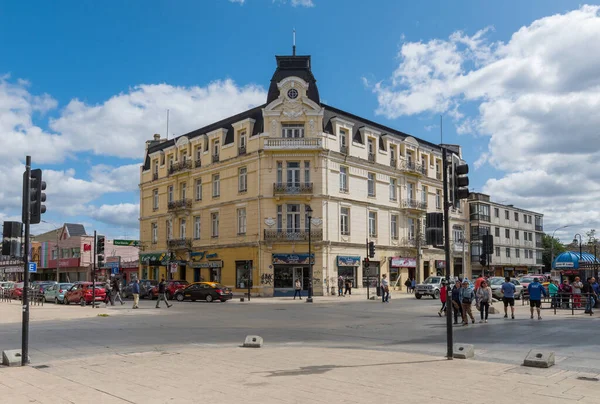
(496,285)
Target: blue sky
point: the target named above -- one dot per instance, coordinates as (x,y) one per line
(93,52)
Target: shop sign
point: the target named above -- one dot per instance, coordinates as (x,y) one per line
(130,264)
(299,259)
(173,267)
(440,264)
(208,264)
(12,270)
(400,262)
(64,263)
(154,258)
(564,265)
(348,261)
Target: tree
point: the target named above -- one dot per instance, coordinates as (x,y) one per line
(547,243)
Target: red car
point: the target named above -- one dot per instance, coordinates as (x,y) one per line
(17,292)
(170,288)
(81,292)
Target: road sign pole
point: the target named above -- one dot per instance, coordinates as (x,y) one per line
(94,272)
(449,330)
(26,222)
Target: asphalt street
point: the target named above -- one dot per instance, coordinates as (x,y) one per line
(407,325)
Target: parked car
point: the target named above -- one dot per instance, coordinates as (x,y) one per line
(496,285)
(146,286)
(82,293)
(208,291)
(526,280)
(41,286)
(6,285)
(17,291)
(56,293)
(171,287)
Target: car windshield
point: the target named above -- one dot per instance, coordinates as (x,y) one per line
(496,281)
(526,280)
(432,280)
(65,285)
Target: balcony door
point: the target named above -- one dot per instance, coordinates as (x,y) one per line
(293,218)
(293,174)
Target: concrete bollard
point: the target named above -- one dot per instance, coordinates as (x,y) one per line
(537,358)
(253,341)
(463,351)
(12,357)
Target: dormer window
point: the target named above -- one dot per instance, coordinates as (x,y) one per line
(293,130)
(216,145)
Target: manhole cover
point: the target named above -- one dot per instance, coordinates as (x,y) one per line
(41,367)
(588,379)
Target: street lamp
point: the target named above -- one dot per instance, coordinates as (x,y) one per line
(310,261)
(552,245)
(575,241)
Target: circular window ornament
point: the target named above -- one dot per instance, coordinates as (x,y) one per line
(292,93)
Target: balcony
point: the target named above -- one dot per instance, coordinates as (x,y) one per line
(300,143)
(198,163)
(539,227)
(539,261)
(154,176)
(215,158)
(538,244)
(181,166)
(371,157)
(414,204)
(181,204)
(295,188)
(480,217)
(293,235)
(344,149)
(393,163)
(416,168)
(180,243)
(241,150)
(410,241)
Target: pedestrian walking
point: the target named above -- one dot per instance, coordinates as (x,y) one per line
(408,285)
(162,294)
(298,289)
(413,285)
(466,300)
(348,287)
(108,294)
(478,282)
(553,291)
(341,286)
(456,301)
(443,298)
(385,289)
(484,295)
(508,290)
(116,287)
(577,286)
(135,291)
(536,290)
(590,296)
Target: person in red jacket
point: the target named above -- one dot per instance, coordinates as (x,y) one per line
(443,297)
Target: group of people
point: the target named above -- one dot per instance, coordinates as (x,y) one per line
(113,293)
(562,294)
(410,284)
(344,285)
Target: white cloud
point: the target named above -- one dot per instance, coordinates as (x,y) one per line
(241,2)
(297,3)
(537,97)
(123,214)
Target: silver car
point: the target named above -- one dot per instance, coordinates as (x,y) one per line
(430,287)
(496,285)
(56,292)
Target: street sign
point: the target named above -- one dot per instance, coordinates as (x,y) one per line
(32,267)
(133,243)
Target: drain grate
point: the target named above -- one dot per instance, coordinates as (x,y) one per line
(41,367)
(588,379)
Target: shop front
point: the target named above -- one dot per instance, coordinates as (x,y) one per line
(347,268)
(440,267)
(287,268)
(206,266)
(154,265)
(401,269)
(70,269)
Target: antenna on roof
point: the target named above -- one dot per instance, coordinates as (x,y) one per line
(294,42)
(167,124)
(441,133)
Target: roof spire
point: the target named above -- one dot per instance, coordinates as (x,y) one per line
(294,42)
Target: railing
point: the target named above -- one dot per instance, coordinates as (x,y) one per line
(198,163)
(241,150)
(479,216)
(539,261)
(539,227)
(293,188)
(415,167)
(393,163)
(344,149)
(293,143)
(180,243)
(292,235)
(409,241)
(215,158)
(566,302)
(372,157)
(180,204)
(414,204)
(154,176)
(182,165)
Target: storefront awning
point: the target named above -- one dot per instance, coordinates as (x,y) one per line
(348,261)
(572,260)
(154,258)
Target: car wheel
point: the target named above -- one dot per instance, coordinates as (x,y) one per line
(418,296)
(56,300)
(209,298)
(436,294)
(179,297)
(223,301)
(82,302)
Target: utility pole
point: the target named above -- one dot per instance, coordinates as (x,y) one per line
(26,221)
(94,273)
(449,336)
(366,267)
(418,248)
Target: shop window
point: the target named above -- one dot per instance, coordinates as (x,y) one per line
(243,276)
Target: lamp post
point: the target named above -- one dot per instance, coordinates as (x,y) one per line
(552,245)
(575,241)
(310,261)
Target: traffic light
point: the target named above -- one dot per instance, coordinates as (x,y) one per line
(246,265)
(488,244)
(100,245)
(100,261)
(434,229)
(483,260)
(371,249)
(459,181)
(36,197)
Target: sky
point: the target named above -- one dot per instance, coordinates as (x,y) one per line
(83,84)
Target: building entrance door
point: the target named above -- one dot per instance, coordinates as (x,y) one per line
(299,274)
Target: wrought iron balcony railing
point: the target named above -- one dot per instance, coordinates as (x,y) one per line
(293,188)
(415,167)
(179,243)
(180,204)
(371,157)
(414,204)
(198,163)
(393,163)
(154,176)
(215,158)
(180,166)
(241,150)
(344,149)
(293,235)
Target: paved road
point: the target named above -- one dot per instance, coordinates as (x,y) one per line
(408,325)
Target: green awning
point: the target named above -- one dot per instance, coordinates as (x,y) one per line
(156,257)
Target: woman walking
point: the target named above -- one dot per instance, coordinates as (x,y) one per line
(484,296)
(408,285)
(577,286)
(466,300)
(443,297)
(456,302)
(298,289)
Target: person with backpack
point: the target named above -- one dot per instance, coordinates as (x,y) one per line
(466,300)
(162,294)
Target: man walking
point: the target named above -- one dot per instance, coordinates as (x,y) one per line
(341,286)
(116,286)
(466,300)
(385,289)
(590,296)
(413,285)
(135,291)
(162,295)
(508,297)
(298,289)
(536,290)
(456,301)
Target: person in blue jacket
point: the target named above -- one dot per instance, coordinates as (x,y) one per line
(536,290)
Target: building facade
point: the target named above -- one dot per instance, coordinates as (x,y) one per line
(517,236)
(260,189)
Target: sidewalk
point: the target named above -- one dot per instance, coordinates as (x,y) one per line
(289,374)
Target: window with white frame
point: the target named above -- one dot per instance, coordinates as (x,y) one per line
(241,220)
(154,233)
(279,172)
(372,224)
(293,173)
(155,199)
(279,218)
(197,227)
(394,226)
(343,138)
(393,189)
(170,193)
(371,184)
(343,179)
(497,251)
(216,185)
(198,153)
(517,253)
(216,147)
(371,145)
(458,235)
(182,226)
(307,172)
(243,179)
(345,221)
(411,228)
(424,195)
(169,224)
(410,190)
(293,130)
(214,216)
(243,140)
(438,199)
(293,217)
(198,186)
(183,190)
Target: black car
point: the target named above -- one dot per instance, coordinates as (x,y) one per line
(146,286)
(208,291)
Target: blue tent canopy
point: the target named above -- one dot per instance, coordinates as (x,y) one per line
(570,260)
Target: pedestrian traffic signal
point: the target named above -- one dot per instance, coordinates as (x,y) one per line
(483,260)
(36,197)
(371,249)
(459,181)
(100,245)
(246,265)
